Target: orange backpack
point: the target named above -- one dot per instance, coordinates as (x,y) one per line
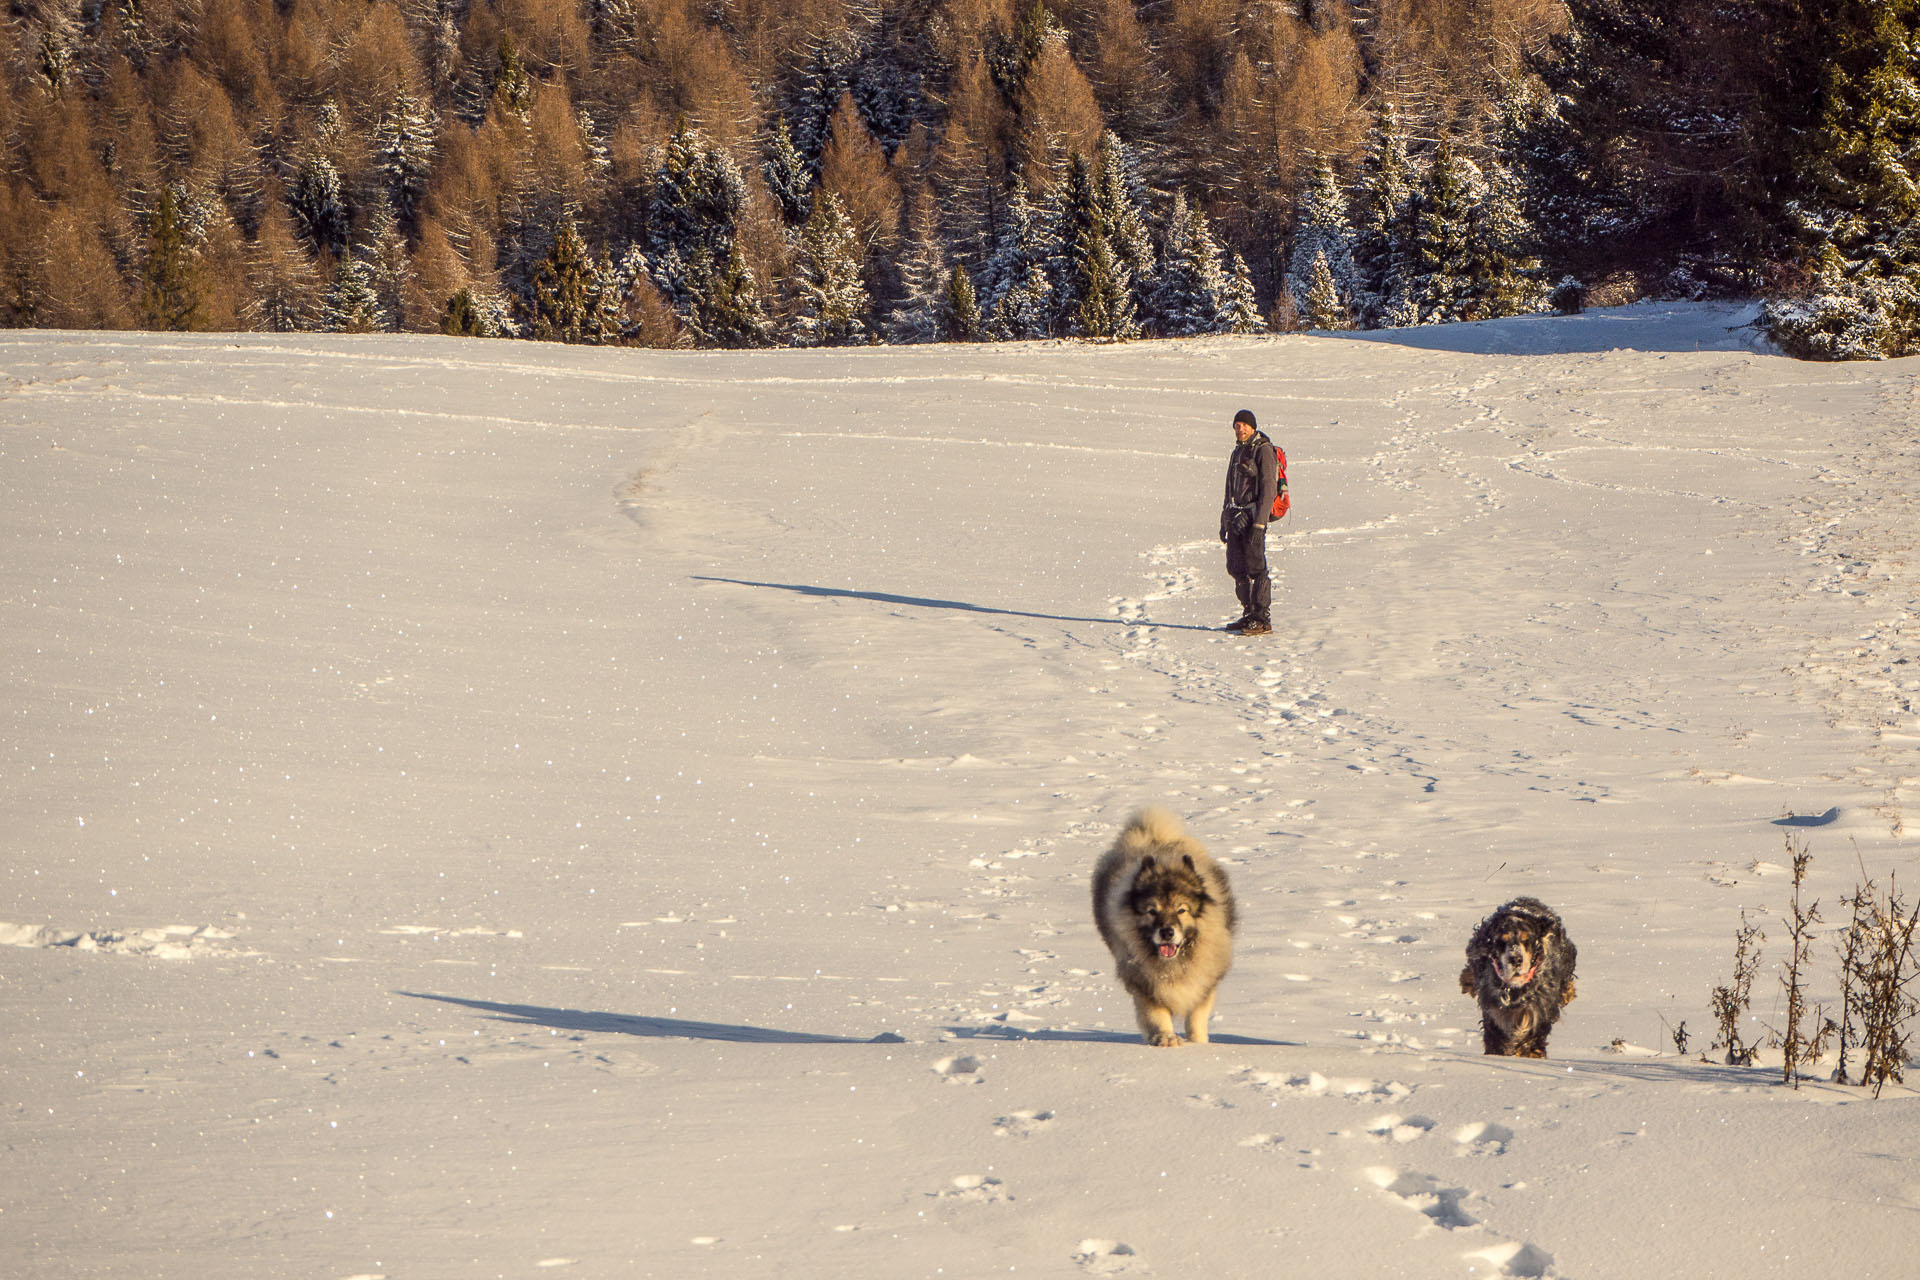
(1281,502)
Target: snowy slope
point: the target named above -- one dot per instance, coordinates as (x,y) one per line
(496,809)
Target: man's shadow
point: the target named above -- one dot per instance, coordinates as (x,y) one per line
(627,1024)
(960,606)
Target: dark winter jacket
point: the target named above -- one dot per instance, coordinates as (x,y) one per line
(1253,478)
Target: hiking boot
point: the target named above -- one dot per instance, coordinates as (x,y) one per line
(1257,627)
(1239,624)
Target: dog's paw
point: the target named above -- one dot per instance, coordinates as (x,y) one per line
(1165,1040)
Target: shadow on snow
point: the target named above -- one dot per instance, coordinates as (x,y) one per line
(961,606)
(1090,1036)
(627,1024)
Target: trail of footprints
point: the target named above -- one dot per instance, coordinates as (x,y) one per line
(1285,699)
(1094,1256)
(1445,1203)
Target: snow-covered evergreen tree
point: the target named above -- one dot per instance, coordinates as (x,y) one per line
(960,310)
(389,268)
(636,313)
(594,151)
(403,142)
(1103,306)
(1386,185)
(1860,222)
(1072,211)
(888,80)
(695,199)
(1025,310)
(169,293)
(1093,284)
(608,19)
(319,206)
(1241,314)
(465,316)
(693,211)
(1507,278)
(825,75)
(568,303)
(1121,196)
(1322,306)
(1190,296)
(924,282)
(832,298)
(512,86)
(352,304)
(724,306)
(1546,181)
(1322,235)
(1438,253)
(1010,58)
(1015,293)
(789,178)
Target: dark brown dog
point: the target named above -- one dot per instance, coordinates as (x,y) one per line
(1520,968)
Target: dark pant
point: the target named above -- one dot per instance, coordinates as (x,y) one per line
(1247,562)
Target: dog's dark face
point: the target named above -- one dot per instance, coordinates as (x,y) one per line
(1168,902)
(1516,949)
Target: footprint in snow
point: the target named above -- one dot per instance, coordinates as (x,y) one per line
(1396,1128)
(1021,1124)
(1108,1258)
(1516,1258)
(170,942)
(959,1070)
(1424,1193)
(1483,1138)
(1269,1142)
(974,1188)
(1315,1085)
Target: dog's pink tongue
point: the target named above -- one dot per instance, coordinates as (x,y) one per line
(1168,951)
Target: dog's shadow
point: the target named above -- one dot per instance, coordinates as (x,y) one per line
(628,1024)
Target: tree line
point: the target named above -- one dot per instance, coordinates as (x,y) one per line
(816,172)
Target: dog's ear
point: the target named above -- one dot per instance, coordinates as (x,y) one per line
(1188,859)
(1148,870)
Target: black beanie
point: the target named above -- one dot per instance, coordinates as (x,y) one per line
(1246,416)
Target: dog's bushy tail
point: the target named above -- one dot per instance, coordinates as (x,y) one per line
(1154,825)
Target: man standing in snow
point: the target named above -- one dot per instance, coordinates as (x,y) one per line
(1253,478)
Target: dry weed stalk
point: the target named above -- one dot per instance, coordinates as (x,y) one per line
(1884,983)
(1730,1002)
(1853,950)
(1797,1048)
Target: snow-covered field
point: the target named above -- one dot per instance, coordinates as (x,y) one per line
(488,809)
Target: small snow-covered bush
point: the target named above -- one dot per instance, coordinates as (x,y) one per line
(1857,323)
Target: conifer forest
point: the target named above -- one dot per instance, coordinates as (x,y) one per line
(743,173)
